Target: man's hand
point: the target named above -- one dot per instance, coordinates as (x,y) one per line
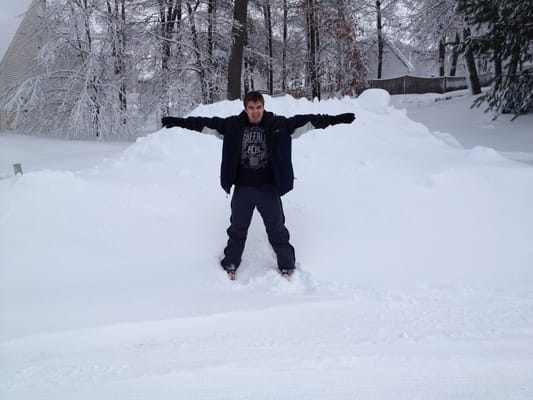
(169,122)
(346,118)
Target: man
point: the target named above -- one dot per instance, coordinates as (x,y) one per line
(256,159)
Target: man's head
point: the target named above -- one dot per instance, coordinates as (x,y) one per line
(254,106)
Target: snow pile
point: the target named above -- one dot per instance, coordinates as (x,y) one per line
(380,202)
(393,228)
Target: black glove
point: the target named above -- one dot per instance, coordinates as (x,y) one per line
(346,118)
(169,122)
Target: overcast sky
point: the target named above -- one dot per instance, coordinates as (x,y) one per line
(11,14)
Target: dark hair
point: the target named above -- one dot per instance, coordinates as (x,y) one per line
(253,96)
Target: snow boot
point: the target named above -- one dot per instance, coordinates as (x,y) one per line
(286,273)
(231,270)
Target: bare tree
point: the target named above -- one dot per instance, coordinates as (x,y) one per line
(270,51)
(238,35)
(200,65)
(284,47)
(170,16)
(435,25)
(379,28)
(313,42)
(442,56)
(117,30)
(71,88)
(455,55)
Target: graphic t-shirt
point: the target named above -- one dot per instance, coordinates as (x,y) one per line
(254,167)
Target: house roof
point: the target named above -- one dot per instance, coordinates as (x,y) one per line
(11,15)
(410,67)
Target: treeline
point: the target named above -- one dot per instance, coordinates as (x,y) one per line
(106,67)
(495,35)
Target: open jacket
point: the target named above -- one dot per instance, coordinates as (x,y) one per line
(279,132)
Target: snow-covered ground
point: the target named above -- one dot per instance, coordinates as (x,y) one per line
(415,275)
(451,114)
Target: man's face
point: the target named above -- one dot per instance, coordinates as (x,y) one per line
(254,110)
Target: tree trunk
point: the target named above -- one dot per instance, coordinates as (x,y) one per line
(471,65)
(246,79)
(312,46)
(284,49)
(116,26)
(442,56)
(455,56)
(513,64)
(169,14)
(268,28)
(199,65)
(120,59)
(238,34)
(92,79)
(498,67)
(380,39)
(211,13)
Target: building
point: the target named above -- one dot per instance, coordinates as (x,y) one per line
(400,59)
(19,57)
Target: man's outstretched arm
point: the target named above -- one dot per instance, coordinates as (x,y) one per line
(214,125)
(300,124)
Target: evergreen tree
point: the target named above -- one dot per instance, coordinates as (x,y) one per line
(505,33)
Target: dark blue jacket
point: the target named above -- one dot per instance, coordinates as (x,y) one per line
(279,132)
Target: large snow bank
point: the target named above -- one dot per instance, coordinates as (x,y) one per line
(414,281)
(378,203)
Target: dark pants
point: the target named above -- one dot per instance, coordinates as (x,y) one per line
(268,203)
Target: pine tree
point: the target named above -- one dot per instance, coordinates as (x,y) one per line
(505,33)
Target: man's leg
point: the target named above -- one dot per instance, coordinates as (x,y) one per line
(242,208)
(271,210)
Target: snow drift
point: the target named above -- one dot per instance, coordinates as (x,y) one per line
(414,257)
(380,203)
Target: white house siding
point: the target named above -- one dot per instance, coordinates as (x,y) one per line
(19,57)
